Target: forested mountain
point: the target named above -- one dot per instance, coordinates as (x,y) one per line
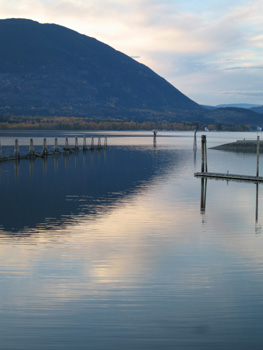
(47,69)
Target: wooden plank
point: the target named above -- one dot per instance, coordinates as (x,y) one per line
(234,177)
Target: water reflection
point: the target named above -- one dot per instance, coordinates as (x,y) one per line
(204,195)
(88,181)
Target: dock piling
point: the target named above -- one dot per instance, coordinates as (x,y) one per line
(55,152)
(92,144)
(84,144)
(204,154)
(56,149)
(44,150)
(76,148)
(66,145)
(17,153)
(258,143)
(99,143)
(31,148)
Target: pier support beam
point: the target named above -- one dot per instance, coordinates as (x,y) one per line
(76,148)
(105,142)
(99,143)
(84,143)
(44,150)
(66,145)
(92,144)
(56,149)
(204,154)
(17,153)
(258,143)
(1,154)
(31,148)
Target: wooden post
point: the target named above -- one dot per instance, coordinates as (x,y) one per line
(105,142)
(44,150)
(92,144)
(258,143)
(203,137)
(1,154)
(203,154)
(66,145)
(17,154)
(84,144)
(76,144)
(56,149)
(99,143)
(31,148)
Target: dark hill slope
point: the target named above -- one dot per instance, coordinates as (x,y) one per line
(46,69)
(257,109)
(233,116)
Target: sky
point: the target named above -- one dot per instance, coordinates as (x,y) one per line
(211,50)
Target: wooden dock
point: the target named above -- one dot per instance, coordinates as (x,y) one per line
(204,174)
(229,177)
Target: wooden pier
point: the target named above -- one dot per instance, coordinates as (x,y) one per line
(228,177)
(56,151)
(221,176)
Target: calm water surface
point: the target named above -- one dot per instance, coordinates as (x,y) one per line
(113,249)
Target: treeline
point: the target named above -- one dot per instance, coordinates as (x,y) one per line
(75,123)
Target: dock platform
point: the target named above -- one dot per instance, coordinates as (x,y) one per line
(234,177)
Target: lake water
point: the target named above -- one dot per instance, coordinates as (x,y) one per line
(113,249)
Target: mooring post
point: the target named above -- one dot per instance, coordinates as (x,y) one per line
(66,144)
(31,148)
(1,154)
(105,142)
(99,143)
(205,156)
(56,149)
(258,143)
(84,144)
(203,142)
(76,148)
(17,154)
(44,150)
(92,143)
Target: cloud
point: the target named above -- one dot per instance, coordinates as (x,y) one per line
(245,67)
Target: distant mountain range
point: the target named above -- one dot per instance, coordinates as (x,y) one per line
(49,70)
(238,105)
